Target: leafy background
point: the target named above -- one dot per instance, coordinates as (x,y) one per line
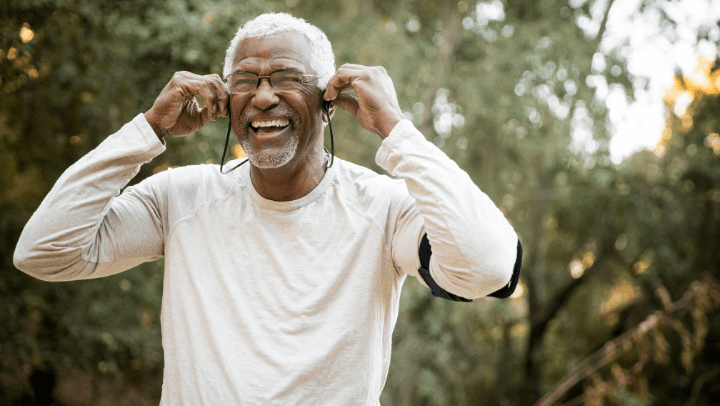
(618,301)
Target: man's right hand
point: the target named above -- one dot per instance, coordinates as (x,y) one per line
(176,112)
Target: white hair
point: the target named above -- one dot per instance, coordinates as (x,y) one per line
(322,58)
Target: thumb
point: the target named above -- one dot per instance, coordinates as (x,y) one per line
(346,102)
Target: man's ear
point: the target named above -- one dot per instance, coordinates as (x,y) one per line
(327,108)
(328,111)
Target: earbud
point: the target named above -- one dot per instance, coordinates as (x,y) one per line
(326,107)
(326,104)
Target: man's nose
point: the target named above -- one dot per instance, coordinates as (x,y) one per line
(265,96)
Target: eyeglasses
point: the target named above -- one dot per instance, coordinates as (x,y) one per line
(246,82)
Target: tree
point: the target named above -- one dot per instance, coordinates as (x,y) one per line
(507,88)
(71,75)
(664,303)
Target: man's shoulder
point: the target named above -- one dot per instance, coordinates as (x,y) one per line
(204,180)
(364,183)
(203,173)
(358,175)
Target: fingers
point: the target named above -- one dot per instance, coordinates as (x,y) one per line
(348,75)
(347,102)
(176,111)
(221,95)
(342,80)
(210,88)
(376,106)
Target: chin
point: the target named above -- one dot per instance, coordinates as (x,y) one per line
(270,157)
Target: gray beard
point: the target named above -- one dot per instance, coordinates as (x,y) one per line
(270,159)
(274,157)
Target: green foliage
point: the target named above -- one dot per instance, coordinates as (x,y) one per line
(88,69)
(501,93)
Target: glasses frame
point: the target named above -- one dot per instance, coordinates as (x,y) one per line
(261,77)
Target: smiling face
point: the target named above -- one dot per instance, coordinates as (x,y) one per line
(277,127)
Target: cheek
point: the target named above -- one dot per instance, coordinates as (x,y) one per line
(237,104)
(313,97)
(312,105)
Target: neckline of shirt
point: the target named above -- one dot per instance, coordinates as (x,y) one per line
(292,204)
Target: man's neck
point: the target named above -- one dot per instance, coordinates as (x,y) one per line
(289,183)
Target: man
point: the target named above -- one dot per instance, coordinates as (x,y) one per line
(283,277)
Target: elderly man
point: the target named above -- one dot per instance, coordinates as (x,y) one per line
(283,277)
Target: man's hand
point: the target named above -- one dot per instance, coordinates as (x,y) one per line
(376,106)
(177,113)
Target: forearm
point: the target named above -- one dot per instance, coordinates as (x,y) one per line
(474,247)
(67,237)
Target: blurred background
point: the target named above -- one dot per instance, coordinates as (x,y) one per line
(593,124)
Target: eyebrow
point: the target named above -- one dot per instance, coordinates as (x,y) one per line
(275,71)
(275,65)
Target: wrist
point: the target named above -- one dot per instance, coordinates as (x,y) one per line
(386,126)
(159,131)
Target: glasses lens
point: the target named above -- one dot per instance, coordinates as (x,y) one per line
(242,82)
(286,80)
(245,82)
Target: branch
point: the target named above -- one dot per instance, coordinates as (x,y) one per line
(539,323)
(597,41)
(611,349)
(603,24)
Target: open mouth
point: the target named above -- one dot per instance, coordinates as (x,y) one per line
(269,127)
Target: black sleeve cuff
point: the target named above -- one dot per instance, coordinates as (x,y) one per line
(425,251)
(509,289)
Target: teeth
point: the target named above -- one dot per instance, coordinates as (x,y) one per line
(271,123)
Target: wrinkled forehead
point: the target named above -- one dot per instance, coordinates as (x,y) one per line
(284,50)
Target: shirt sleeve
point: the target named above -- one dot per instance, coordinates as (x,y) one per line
(474,248)
(84,228)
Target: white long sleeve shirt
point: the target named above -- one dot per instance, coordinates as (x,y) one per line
(266,302)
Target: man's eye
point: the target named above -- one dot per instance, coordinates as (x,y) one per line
(246,81)
(287,79)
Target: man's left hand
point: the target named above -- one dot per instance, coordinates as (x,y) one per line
(376,106)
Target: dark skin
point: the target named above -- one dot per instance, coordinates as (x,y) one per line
(306,169)
(177,113)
